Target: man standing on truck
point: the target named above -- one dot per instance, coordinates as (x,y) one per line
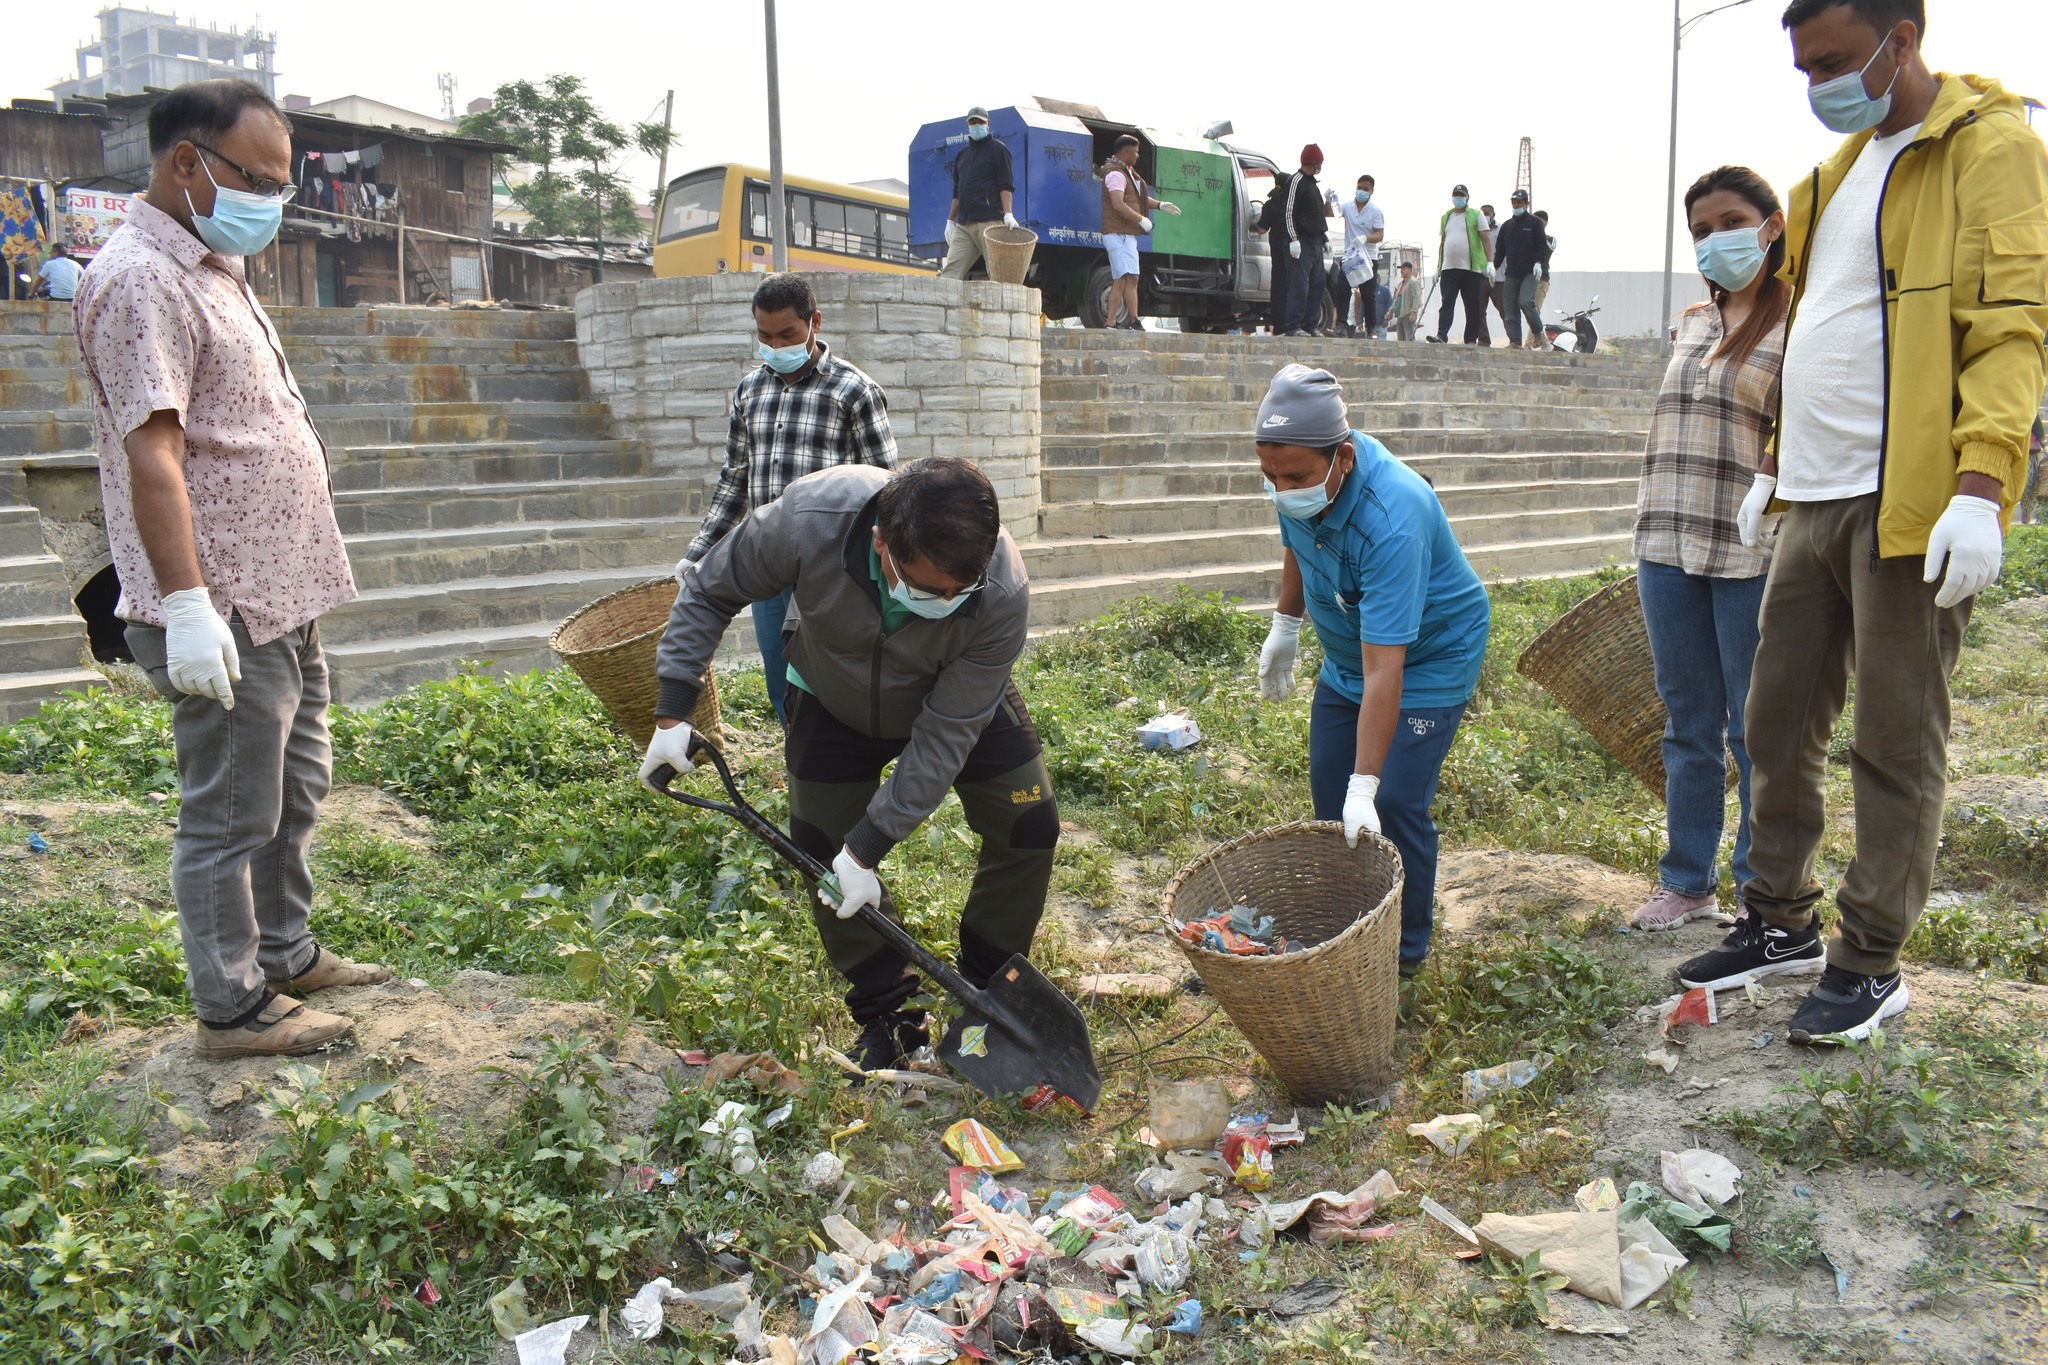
(913,606)
(982,186)
(1365,227)
(1464,263)
(1125,217)
(1309,231)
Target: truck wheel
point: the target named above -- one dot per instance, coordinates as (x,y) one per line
(1093,305)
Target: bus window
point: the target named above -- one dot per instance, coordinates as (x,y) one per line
(895,237)
(691,206)
(757,212)
(863,234)
(799,220)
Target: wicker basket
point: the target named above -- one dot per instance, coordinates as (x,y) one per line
(1595,659)
(1323,1018)
(611,644)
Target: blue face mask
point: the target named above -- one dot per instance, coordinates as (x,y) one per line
(1363,197)
(1521,212)
(1844,106)
(1458,201)
(1301,504)
(241,224)
(1731,259)
(977,131)
(785,359)
(919,603)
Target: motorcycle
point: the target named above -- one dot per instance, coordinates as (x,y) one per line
(1576,332)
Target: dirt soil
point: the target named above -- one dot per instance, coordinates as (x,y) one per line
(439,1043)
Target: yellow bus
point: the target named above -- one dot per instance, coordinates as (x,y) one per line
(715,220)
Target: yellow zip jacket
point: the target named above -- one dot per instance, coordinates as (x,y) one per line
(1962,229)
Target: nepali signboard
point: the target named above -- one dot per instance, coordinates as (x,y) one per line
(90,217)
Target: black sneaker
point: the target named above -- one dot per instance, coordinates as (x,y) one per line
(1847,1005)
(887,1040)
(1754,950)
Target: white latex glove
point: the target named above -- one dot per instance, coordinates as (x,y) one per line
(1359,811)
(1009,220)
(1537,270)
(858,886)
(1969,538)
(1330,197)
(1749,521)
(1173,209)
(1277,656)
(1294,250)
(1144,224)
(955,234)
(669,746)
(200,649)
(1492,275)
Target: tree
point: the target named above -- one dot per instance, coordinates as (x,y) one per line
(572,147)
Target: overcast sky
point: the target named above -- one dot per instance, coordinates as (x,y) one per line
(1445,98)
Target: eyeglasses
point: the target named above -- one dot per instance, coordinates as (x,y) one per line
(926,593)
(258,184)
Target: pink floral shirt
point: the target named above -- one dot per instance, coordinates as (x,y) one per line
(165,324)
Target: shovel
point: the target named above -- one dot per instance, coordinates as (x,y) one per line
(1016,1035)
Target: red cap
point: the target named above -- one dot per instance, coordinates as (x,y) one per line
(1311,155)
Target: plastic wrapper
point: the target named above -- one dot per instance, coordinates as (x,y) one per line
(1703,1179)
(1187,1318)
(1450,1134)
(1171,730)
(1164,1261)
(1250,1158)
(972,1144)
(548,1345)
(1188,1114)
(1485,1082)
(1117,1336)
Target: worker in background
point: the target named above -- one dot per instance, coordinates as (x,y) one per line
(1522,250)
(1542,339)
(800,410)
(913,607)
(1126,216)
(1408,301)
(1309,229)
(982,187)
(1403,621)
(1464,267)
(1919,275)
(58,277)
(1365,227)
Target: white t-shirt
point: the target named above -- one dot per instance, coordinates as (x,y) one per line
(1833,426)
(1458,241)
(1359,225)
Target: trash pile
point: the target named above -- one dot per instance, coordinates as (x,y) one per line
(1240,930)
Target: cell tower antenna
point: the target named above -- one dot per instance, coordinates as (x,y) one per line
(446,80)
(1525,167)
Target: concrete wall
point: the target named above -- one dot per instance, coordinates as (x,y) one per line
(959,361)
(1630,300)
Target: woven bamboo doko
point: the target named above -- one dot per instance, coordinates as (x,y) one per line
(1595,659)
(611,644)
(1323,1018)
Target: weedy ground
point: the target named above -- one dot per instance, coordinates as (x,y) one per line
(487,838)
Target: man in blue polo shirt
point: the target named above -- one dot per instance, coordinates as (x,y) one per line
(1401,617)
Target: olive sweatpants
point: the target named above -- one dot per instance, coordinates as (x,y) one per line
(834,771)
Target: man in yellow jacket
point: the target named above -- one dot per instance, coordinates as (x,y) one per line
(1918,256)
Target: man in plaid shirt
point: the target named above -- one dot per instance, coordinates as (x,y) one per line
(804,410)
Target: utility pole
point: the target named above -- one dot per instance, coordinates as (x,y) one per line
(778,213)
(668,126)
(1670,192)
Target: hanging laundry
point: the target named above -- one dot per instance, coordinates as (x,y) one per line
(373,156)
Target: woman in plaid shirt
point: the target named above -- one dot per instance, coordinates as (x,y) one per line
(1701,590)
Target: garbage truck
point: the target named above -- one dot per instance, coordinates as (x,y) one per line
(1210,267)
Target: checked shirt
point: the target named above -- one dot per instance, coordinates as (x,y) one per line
(782,430)
(1707,436)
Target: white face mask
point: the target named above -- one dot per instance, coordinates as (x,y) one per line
(929,605)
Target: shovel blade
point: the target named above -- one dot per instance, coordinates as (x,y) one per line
(1032,1036)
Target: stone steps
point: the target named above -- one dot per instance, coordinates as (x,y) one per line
(473,604)
(1090,484)
(1251,507)
(42,639)
(1234,448)
(421,558)
(23,694)
(42,642)
(485,464)
(540,503)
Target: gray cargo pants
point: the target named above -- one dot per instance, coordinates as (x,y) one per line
(251,782)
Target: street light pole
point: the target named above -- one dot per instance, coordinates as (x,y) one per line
(1678,29)
(778,214)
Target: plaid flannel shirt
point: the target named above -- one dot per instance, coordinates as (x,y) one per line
(781,430)
(1707,437)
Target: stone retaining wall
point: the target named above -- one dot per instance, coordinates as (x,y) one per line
(958,359)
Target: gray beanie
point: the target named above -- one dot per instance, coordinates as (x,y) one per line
(1303,408)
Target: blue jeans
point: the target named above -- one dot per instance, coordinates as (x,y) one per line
(1703,634)
(768,618)
(1407,791)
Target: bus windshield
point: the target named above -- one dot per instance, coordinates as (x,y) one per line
(691,205)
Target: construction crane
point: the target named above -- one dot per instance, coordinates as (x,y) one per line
(1525,168)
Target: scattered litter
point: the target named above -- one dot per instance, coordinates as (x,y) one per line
(1482,1083)
(1696,1006)
(1187,1318)
(642,1316)
(727,1135)
(426,1293)
(1188,1115)
(759,1068)
(1595,1195)
(1184,1173)
(912,1336)
(1164,1261)
(37,843)
(1841,1276)
(1601,1255)
(1580,1316)
(1657,1056)
(1756,993)
(1310,1296)
(1118,1336)
(548,1345)
(1325,1216)
(1700,1178)
(1172,730)
(1450,1134)
(1763,1040)
(976,1146)
(1802,1192)
(1675,1218)
(1144,985)
(1250,1158)
(696,1057)
(1240,930)
(509,1314)
(823,1172)
(1449,1220)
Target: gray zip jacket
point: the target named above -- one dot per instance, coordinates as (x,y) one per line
(936,683)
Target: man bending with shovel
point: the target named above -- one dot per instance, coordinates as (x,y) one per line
(910,601)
